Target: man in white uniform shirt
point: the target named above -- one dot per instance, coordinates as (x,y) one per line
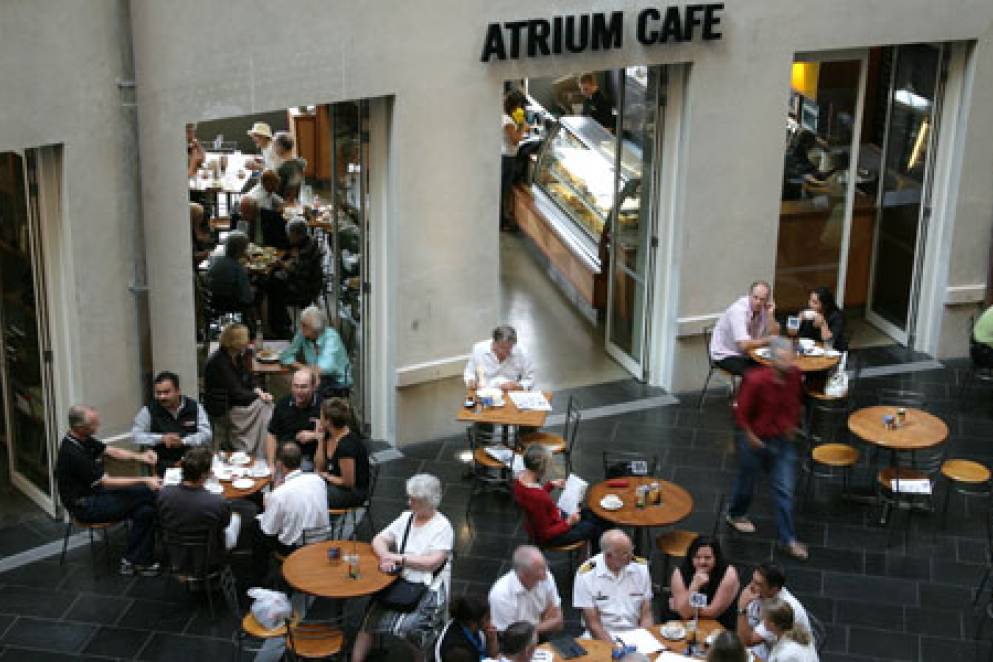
(526,593)
(300,502)
(501,363)
(768,581)
(613,589)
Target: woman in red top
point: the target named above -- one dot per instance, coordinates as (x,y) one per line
(546,524)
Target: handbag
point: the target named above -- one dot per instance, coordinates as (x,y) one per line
(403,595)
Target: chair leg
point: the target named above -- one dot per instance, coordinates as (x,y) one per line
(703,393)
(106,546)
(944,508)
(982,584)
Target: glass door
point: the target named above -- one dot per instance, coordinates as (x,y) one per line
(25,353)
(904,195)
(349,240)
(632,218)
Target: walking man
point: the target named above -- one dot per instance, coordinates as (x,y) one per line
(770,403)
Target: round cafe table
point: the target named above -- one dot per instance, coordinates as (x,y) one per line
(804,362)
(921,429)
(231,492)
(600,651)
(308,570)
(676,504)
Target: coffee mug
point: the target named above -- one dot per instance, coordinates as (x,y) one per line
(334,555)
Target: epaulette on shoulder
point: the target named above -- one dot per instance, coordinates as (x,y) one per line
(586,567)
(640,559)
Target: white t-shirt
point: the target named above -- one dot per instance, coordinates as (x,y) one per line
(755,621)
(301,502)
(434,536)
(507,148)
(511,602)
(787,650)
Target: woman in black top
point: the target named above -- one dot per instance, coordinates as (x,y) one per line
(704,570)
(823,321)
(345,458)
(464,637)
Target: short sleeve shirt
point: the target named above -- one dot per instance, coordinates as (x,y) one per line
(736,324)
(617,598)
(288,419)
(434,536)
(79,468)
(769,639)
(350,447)
(511,602)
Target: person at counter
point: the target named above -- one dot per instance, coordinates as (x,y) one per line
(823,321)
(261,135)
(595,102)
(500,362)
(515,129)
(747,323)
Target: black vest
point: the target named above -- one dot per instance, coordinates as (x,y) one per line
(163,422)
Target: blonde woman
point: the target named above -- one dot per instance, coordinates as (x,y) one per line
(239,410)
(794,642)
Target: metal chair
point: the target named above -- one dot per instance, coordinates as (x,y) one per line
(968,478)
(342,515)
(708,332)
(560,444)
(315,640)
(919,465)
(676,543)
(980,363)
(617,464)
(90,527)
(190,560)
(819,632)
(826,422)
(488,473)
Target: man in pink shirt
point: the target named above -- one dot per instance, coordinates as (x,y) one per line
(747,324)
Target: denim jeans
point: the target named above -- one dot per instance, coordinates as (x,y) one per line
(135,503)
(778,459)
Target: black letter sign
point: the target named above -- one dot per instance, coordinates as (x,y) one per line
(493,45)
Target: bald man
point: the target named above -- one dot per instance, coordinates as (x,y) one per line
(613,589)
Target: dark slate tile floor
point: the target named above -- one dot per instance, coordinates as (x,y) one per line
(880,601)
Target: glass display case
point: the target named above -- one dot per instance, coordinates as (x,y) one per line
(576,171)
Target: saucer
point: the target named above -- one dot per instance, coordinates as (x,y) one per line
(611,502)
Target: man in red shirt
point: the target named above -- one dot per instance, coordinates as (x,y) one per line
(770,404)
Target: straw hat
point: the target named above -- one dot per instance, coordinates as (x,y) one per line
(260,129)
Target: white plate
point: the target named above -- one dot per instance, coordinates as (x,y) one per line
(259,472)
(673,632)
(832,353)
(222,474)
(239,458)
(214,489)
(611,502)
(243,484)
(815,351)
(542,656)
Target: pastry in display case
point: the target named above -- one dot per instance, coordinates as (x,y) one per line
(576,171)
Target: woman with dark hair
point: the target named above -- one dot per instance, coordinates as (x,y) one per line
(464,636)
(341,459)
(727,647)
(515,129)
(704,570)
(823,321)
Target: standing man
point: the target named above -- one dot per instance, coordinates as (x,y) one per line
(770,403)
(261,135)
(747,324)
(613,589)
(501,363)
(768,581)
(171,423)
(90,495)
(595,102)
(526,593)
(295,418)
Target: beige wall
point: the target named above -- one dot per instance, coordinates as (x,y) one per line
(201,60)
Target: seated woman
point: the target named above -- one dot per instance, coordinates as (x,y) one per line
(346,461)
(239,410)
(317,346)
(228,281)
(297,279)
(464,637)
(419,545)
(546,524)
(823,321)
(704,570)
(794,642)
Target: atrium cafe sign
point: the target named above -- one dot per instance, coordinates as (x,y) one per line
(599,31)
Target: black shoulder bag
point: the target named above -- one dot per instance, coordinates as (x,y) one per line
(403,595)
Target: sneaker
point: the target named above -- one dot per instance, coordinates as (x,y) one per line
(126,568)
(797,550)
(741,524)
(129,569)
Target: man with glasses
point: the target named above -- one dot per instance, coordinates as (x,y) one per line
(747,324)
(613,589)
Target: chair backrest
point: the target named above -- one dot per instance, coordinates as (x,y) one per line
(708,333)
(190,552)
(719,517)
(573,416)
(373,478)
(621,463)
(818,632)
(828,420)
(901,398)
(318,534)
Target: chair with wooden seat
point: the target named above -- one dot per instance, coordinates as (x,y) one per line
(826,422)
(488,473)
(968,478)
(559,444)
(90,527)
(676,543)
(191,561)
(733,379)
(341,516)
(920,465)
(315,640)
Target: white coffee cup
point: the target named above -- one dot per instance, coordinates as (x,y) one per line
(808,314)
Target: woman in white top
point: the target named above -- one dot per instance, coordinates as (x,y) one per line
(515,129)
(424,558)
(794,642)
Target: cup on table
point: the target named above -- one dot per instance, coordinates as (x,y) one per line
(353,565)
(334,554)
(808,314)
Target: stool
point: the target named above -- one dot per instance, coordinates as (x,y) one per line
(250,627)
(91,527)
(315,640)
(674,544)
(581,546)
(966,477)
(832,456)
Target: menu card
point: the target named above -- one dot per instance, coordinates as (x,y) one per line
(641,639)
(911,486)
(530,400)
(573,493)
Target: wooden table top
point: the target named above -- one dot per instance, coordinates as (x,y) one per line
(235,176)
(676,505)
(308,570)
(230,492)
(804,362)
(921,430)
(599,651)
(508,414)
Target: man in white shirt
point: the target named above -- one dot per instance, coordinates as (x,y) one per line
(613,589)
(768,581)
(300,502)
(526,593)
(499,363)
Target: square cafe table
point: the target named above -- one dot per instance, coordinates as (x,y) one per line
(506,416)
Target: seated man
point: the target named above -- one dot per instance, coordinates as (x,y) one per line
(747,324)
(499,363)
(295,418)
(297,279)
(768,581)
(318,347)
(982,333)
(90,495)
(300,502)
(228,282)
(171,423)
(613,589)
(526,593)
